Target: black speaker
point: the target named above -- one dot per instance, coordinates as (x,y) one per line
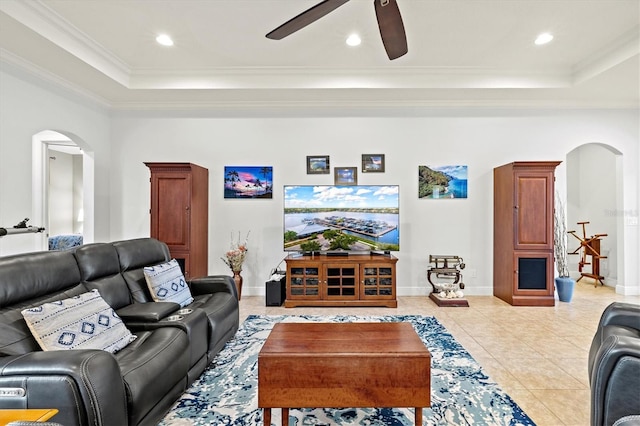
(276,292)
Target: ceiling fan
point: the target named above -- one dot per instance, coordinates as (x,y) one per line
(387,12)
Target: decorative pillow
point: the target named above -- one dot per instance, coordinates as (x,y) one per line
(81,322)
(167,284)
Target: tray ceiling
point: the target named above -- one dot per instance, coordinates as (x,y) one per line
(461,53)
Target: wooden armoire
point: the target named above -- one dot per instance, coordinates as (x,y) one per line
(180,213)
(523,208)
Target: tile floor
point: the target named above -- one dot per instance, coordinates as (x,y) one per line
(538,355)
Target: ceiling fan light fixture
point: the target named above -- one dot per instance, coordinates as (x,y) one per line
(543,38)
(164,40)
(354,40)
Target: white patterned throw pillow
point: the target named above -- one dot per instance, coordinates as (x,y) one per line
(167,284)
(85,321)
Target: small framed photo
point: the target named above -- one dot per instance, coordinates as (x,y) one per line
(372,163)
(345,175)
(318,165)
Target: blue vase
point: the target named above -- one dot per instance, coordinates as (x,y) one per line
(564,287)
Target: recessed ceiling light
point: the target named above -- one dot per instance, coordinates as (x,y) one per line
(164,40)
(354,40)
(543,38)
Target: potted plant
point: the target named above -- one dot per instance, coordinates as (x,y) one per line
(564,283)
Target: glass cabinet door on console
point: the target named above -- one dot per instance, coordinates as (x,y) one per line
(304,281)
(341,281)
(377,281)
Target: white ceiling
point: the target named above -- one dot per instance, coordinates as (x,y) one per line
(461,53)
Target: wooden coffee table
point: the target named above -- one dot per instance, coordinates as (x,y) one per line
(343,365)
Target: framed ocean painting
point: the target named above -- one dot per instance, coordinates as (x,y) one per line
(372,163)
(442,182)
(318,165)
(248,182)
(345,175)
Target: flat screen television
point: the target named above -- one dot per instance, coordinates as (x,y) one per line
(351,218)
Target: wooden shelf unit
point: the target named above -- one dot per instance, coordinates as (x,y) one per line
(180,213)
(523,233)
(354,280)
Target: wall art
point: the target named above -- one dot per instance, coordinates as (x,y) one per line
(345,175)
(248,182)
(318,165)
(372,163)
(442,182)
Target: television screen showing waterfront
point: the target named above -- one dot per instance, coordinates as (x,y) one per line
(335,218)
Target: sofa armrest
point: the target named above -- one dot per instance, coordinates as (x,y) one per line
(619,313)
(616,370)
(85,385)
(213,284)
(146,312)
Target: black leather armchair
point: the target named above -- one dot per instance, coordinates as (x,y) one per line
(614,366)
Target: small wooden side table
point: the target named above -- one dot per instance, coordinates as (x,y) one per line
(31,415)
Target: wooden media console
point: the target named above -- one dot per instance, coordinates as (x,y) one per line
(351,280)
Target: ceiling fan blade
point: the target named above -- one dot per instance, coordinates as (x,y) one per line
(391,28)
(305,18)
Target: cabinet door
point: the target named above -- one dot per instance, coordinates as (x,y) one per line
(533,210)
(377,281)
(303,281)
(183,260)
(170,209)
(341,281)
(533,273)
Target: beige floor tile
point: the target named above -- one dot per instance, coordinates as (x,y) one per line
(570,406)
(540,373)
(538,355)
(536,410)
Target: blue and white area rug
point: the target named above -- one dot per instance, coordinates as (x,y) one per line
(461,393)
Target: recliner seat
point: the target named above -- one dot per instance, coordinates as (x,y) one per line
(134,386)
(614,366)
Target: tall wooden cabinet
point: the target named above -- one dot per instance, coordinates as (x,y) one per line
(523,207)
(180,213)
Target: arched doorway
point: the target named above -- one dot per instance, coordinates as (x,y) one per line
(62,185)
(594,195)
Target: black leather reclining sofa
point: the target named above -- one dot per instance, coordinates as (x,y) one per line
(614,367)
(138,384)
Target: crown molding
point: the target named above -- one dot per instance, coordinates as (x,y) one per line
(346,105)
(349,78)
(626,47)
(45,21)
(51,80)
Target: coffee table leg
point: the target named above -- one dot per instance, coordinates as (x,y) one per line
(418,416)
(267,416)
(285,417)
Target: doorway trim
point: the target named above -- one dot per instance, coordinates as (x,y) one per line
(39,182)
(617,183)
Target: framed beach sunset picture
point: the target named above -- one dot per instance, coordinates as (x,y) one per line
(248,182)
(442,182)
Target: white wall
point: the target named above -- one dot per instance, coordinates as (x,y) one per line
(460,227)
(27,107)
(481,139)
